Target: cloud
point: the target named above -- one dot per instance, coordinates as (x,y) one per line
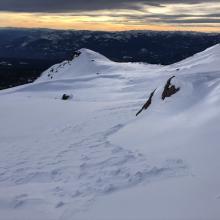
(138,13)
(60,6)
(194,21)
(175,18)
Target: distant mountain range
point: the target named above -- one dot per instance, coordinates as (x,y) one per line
(25,53)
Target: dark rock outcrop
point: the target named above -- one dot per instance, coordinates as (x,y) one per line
(76,54)
(65,97)
(169,89)
(147,104)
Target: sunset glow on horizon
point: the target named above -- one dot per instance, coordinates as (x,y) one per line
(202,16)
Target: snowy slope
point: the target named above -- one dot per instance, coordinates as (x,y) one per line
(90,157)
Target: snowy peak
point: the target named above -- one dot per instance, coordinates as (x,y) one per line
(89,55)
(84,62)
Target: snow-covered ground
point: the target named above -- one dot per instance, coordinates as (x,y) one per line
(91,158)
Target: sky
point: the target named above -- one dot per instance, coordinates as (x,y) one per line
(112,15)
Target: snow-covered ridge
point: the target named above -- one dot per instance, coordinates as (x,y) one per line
(88,62)
(85,157)
(203,60)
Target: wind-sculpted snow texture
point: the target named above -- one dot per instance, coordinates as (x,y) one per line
(84,157)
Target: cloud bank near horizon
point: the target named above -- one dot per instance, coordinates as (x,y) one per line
(107,14)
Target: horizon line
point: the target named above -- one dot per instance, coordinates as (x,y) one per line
(111,31)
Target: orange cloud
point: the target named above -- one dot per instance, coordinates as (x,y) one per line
(101,22)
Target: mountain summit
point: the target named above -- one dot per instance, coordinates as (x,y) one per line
(84,62)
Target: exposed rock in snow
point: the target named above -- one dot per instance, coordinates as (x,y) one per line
(147,104)
(169,89)
(66,97)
